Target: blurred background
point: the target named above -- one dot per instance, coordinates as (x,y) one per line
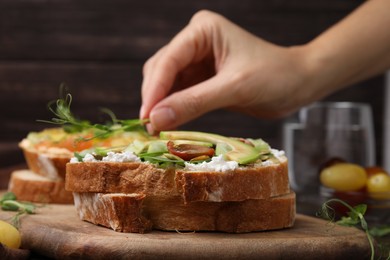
(98,49)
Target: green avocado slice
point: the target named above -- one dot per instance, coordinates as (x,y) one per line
(237,150)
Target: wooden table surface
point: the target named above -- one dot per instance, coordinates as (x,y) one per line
(56,232)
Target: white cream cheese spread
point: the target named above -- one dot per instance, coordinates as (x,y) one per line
(217,164)
(126,156)
(279,154)
(89,158)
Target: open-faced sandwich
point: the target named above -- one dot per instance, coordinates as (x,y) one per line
(47,152)
(183,181)
(120,177)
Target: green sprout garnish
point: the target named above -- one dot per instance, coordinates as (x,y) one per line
(162,159)
(9,202)
(64,117)
(380,231)
(354,217)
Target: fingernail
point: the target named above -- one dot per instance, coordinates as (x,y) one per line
(162,118)
(150,129)
(142,112)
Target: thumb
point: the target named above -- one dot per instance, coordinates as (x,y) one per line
(190,103)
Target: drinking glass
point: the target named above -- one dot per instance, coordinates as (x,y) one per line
(325,131)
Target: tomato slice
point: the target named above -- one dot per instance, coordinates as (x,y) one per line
(189,151)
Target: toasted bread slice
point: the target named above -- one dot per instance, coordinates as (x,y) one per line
(137,213)
(118,211)
(29,186)
(49,163)
(48,151)
(259,181)
(248,182)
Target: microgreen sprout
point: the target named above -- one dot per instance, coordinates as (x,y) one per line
(9,202)
(353,218)
(61,108)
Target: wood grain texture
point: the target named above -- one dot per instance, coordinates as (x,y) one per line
(56,232)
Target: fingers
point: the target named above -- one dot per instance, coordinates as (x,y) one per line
(153,92)
(189,46)
(190,103)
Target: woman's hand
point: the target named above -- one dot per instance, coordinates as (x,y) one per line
(214,64)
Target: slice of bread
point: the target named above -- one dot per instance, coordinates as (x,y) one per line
(238,187)
(138,213)
(50,163)
(132,177)
(29,186)
(247,182)
(259,181)
(48,151)
(118,211)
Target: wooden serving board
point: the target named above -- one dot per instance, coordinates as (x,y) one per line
(56,232)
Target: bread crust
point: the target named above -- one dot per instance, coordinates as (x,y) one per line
(47,164)
(253,182)
(28,186)
(138,196)
(120,212)
(111,177)
(171,213)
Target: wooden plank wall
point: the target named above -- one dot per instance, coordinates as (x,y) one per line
(98,48)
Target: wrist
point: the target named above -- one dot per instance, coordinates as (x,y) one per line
(321,73)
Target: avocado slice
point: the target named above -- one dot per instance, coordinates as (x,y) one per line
(157,147)
(260,145)
(193,142)
(236,150)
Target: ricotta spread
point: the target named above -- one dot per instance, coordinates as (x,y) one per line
(89,158)
(278,153)
(217,164)
(126,156)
